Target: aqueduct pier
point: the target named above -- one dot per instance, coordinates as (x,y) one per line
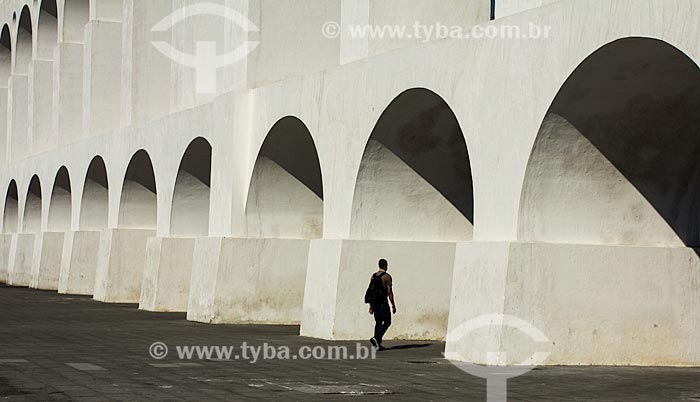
(553,179)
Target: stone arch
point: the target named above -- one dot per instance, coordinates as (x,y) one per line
(5,56)
(615,161)
(23,54)
(190,208)
(94,207)
(76,15)
(32,207)
(414,180)
(11,213)
(138,207)
(60,208)
(285,197)
(47,35)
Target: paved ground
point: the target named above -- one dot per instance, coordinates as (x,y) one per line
(59,348)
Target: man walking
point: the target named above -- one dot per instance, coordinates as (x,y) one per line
(380,289)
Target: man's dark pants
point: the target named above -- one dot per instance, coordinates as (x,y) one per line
(382,319)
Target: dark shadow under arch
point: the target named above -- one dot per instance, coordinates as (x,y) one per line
(5,56)
(414,180)
(138,206)
(60,207)
(617,158)
(190,208)
(47,37)
(11,213)
(76,15)
(285,197)
(94,207)
(24,42)
(33,207)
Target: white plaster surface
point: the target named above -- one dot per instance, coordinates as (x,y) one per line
(21,257)
(598,305)
(167,274)
(46,262)
(6,245)
(422,276)
(79,262)
(120,266)
(248,280)
(106,102)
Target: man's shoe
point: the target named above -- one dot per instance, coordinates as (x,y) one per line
(380,348)
(374,342)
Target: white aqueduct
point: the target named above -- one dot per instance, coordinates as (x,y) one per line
(556,180)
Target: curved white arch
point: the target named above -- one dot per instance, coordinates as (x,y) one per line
(5,56)
(414,180)
(94,207)
(32,207)
(11,212)
(190,205)
(138,207)
(60,207)
(285,197)
(614,160)
(76,15)
(47,35)
(23,40)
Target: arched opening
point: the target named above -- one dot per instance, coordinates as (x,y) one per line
(60,207)
(190,210)
(24,42)
(615,161)
(32,207)
(5,56)
(414,180)
(138,205)
(48,30)
(11,213)
(285,198)
(94,208)
(76,15)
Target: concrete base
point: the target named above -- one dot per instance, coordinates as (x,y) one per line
(248,280)
(598,305)
(79,263)
(166,279)
(334,306)
(5,247)
(122,258)
(46,263)
(21,255)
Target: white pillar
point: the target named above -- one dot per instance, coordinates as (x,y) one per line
(238,280)
(41,104)
(122,259)
(102,77)
(4,126)
(68,98)
(145,71)
(79,262)
(19,116)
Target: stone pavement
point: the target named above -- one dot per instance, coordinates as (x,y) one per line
(61,348)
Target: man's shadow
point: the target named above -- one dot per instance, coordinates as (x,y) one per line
(411,346)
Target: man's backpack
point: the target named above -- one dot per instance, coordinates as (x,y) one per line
(376,292)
